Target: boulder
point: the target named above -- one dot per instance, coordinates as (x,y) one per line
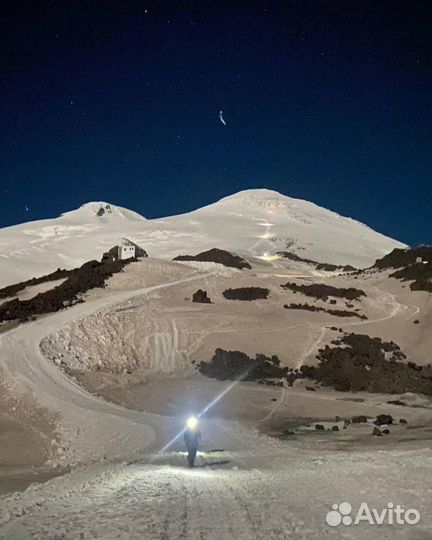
(383,420)
(361,419)
(377,432)
(201,297)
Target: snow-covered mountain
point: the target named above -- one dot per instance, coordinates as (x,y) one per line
(255,222)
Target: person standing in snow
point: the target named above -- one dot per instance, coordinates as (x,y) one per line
(192,438)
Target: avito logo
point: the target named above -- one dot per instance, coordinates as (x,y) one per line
(342,514)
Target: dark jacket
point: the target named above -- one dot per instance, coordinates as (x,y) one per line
(192,438)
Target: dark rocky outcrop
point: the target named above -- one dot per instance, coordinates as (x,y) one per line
(383,420)
(361,419)
(361,363)
(419,273)
(327,267)
(90,275)
(237,365)
(413,264)
(319,427)
(12,290)
(103,209)
(246,293)
(322,291)
(201,297)
(218,256)
(397,402)
(334,312)
(376,432)
(400,258)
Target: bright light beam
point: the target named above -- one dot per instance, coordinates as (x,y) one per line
(269,258)
(206,409)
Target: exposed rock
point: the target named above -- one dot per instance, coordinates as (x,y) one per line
(383,420)
(90,275)
(218,256)
(416,321)
(246,293)
(361,363)
(236,365)
(201,297)
(334,312)
(413,264)
(311,388)
(12,290)
(323,291)
(377,432)
(386,431)
(397,402)
(403,421)
(399,258)
(103,209)
(419,273)
(319,427)
(335,428)
(327,267)
(361,419)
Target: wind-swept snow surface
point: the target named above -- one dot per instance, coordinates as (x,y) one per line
(279,493)
(255,222)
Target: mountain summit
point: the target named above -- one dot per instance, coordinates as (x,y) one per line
(251,223)
(101,209)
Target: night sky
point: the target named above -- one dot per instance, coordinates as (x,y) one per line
(120,101)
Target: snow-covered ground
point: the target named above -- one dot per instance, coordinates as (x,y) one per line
(264,490)
(250,223)
(127,481)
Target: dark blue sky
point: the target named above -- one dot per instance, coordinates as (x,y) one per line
(119,101)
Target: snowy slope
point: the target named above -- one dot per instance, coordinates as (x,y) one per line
(251,223)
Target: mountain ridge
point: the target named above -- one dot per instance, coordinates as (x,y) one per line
(251,223)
